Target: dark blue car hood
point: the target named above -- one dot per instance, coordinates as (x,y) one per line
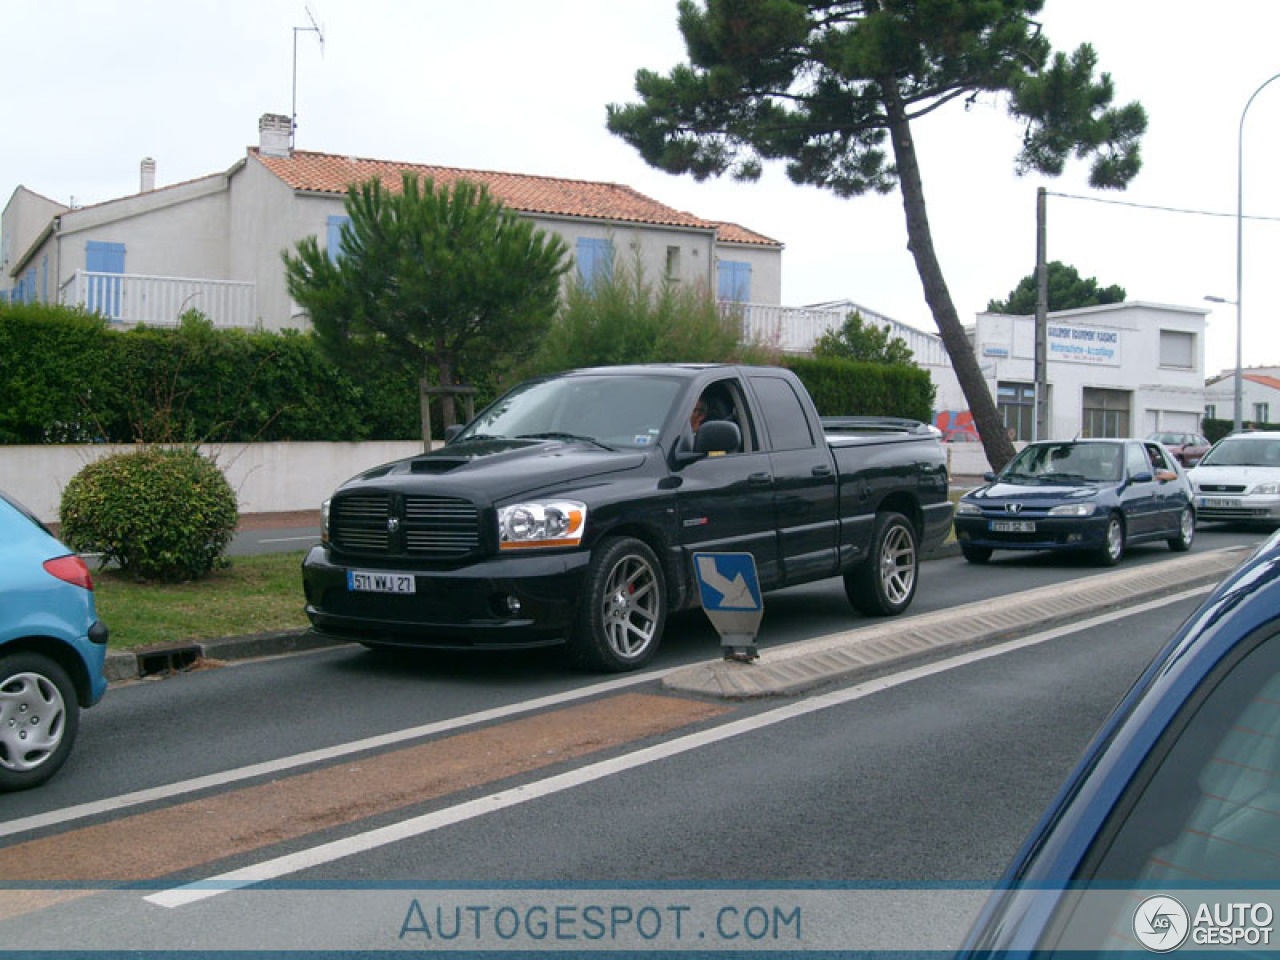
(1048,494)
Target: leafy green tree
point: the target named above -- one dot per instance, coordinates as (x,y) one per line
(834,87)
(623,317)
(858,340)
(443,279)
(1067,291)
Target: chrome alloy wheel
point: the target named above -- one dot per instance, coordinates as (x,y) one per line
(33,717)
(898,564)
(631,606)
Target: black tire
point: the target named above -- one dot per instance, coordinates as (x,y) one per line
(885,583)
(975,554)
(623,610)
(1112,549)
(39,717)
(1181,542)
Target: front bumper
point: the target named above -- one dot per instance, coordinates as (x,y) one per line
(1241,508)
(504,602)
(1050,533)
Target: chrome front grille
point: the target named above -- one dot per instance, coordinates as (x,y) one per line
(392,524)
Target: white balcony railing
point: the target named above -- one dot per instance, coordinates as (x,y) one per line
(161,301)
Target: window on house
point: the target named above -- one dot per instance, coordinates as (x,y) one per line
(333,236)
(1105,413)
(1177,349)
(1210,411)
(673,263)
(734,281)
(1017,405)
(103,292)
(595,261)
(1262,413)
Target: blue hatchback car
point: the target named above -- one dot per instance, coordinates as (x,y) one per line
(1168,831)
(52,648)
(1097,496)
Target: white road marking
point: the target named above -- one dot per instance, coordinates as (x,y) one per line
(416,826)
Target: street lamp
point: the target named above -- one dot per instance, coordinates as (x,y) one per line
(1239,301)
(1237,373)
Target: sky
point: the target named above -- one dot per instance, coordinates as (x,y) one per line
(521,86)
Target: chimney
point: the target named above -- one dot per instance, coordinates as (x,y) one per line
(274,131)
(148,175)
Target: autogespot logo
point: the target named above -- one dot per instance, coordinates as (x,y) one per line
(1161,924)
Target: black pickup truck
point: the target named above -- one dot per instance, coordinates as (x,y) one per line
(569,510)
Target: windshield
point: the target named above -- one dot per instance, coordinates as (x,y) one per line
(611,410)
(1244,452)
(1067,463)
(1169,439)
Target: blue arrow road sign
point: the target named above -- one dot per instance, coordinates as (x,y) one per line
(727,581)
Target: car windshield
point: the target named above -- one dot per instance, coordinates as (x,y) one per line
(612,411)
(1066,463)
(1244,452)
(1169,439)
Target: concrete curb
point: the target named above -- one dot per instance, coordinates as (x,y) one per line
(799,667)
(162,660)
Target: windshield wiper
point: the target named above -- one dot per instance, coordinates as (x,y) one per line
(557,435)
(478,436)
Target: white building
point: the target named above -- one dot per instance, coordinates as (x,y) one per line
(1124,369)
(215,243)
(1259,396)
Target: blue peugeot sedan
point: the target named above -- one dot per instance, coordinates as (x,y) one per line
(52,648)
(1166,834)
(1097,496)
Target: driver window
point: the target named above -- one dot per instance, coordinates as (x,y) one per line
(723,400)
(1136,460)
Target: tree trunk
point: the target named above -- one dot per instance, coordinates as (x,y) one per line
(986,416)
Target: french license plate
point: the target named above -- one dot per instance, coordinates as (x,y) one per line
(1221,502)
(1013,526)
(373,581)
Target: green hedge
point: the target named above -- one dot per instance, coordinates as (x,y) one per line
(847,388)
(66,377)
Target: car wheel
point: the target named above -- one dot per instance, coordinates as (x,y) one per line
(975,554)
(39,716)
(885,583)
(623,608)
(1186,531)
(1112,548)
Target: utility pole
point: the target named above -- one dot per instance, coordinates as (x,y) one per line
(1041,431)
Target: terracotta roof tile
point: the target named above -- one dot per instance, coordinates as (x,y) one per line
(1263,380)
(331,173)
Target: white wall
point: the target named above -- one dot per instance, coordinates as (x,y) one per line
(267,477)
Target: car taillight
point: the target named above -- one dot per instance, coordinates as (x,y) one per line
(71,569)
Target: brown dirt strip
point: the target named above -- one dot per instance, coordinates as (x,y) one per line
(157,843)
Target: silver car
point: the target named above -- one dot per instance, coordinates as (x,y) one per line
(1239,479)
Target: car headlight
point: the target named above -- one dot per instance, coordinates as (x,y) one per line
(1266,488)
(966,509)
(1074,510)
(541,523)
(324,521)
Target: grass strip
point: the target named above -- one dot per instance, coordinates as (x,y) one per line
(253,594)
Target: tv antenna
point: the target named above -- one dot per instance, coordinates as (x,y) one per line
(319,32)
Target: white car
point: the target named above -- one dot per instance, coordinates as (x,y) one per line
(1239,479)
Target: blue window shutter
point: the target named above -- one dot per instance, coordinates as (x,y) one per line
(595,261)
(734,280)
(104,292)
(44,278)
(31,285)
(333,239)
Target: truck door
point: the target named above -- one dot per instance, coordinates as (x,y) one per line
(805,486)
(725,501)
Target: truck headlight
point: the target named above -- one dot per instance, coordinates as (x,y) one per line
(1074,510)
(541,523)
(324,521)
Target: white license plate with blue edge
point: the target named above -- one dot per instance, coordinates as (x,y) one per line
(377,581)
(1013,526)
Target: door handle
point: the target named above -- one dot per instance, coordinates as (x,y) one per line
(822,470)
(760,479)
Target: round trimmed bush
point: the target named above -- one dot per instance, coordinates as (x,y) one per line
(159,514)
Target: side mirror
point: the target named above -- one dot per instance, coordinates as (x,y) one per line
(989,476)
(717,437)
(1146,476)
(453,431)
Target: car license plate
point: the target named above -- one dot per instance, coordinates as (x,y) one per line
(1221,502)
(372,581)
(1013,526)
